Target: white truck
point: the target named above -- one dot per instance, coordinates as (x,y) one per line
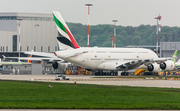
(61,77)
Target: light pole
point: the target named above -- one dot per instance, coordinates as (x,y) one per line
(88,21)
(19,36)
(158,27)
(114,31)
(112,40)
(36,25)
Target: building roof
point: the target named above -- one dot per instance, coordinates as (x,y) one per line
(23,14)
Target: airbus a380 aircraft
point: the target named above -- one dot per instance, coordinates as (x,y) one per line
(112,59)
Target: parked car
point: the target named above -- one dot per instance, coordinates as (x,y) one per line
(61,77)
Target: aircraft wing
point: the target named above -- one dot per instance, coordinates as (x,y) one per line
(177,64)
(35,58)
(42,54)
(136,63)
(40,59)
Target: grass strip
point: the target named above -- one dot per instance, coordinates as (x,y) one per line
(37,95)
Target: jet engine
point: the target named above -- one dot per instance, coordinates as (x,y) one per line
(59,65)
(154,67)
(167,65)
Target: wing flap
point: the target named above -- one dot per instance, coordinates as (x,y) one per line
(137,63)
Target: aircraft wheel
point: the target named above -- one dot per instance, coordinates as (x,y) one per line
(98,73)
(126,73)
(104,73)
(116,73)
(122,73)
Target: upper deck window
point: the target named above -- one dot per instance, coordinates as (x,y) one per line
(101,51)
(119,52)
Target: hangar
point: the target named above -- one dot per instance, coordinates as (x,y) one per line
(167,49)
(37,32)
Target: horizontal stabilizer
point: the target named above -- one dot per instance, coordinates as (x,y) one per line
(74,54)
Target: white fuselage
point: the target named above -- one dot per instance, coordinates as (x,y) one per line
(105,58)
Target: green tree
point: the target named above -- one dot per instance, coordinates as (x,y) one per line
(101,35)
(107,44)
(136,40)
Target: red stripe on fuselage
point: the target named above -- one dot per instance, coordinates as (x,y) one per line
(72,38)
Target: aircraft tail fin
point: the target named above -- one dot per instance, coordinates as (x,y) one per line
(174,56)
(65,39)
(30,56)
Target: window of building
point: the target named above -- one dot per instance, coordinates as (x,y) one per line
(55,48)
(35,19)
(27,18)
(8,18)
(6,48)
(27,48)
(14,43)
(48,48)
(41,48)
(3,48)
(34,48)
(20,48)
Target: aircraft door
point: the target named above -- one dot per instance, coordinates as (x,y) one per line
(137,54)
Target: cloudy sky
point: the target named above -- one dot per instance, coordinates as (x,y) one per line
(127,12)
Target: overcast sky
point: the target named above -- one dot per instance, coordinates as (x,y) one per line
(127,12)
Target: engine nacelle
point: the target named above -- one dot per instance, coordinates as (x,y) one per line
(167,65)
(59,65)
(154,68)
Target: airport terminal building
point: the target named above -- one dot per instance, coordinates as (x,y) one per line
(37,32)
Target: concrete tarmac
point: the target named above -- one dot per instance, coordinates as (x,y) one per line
(143,83)
(74,110)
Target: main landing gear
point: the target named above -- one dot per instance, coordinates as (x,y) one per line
(106,73)
(124,73)
(110,73)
